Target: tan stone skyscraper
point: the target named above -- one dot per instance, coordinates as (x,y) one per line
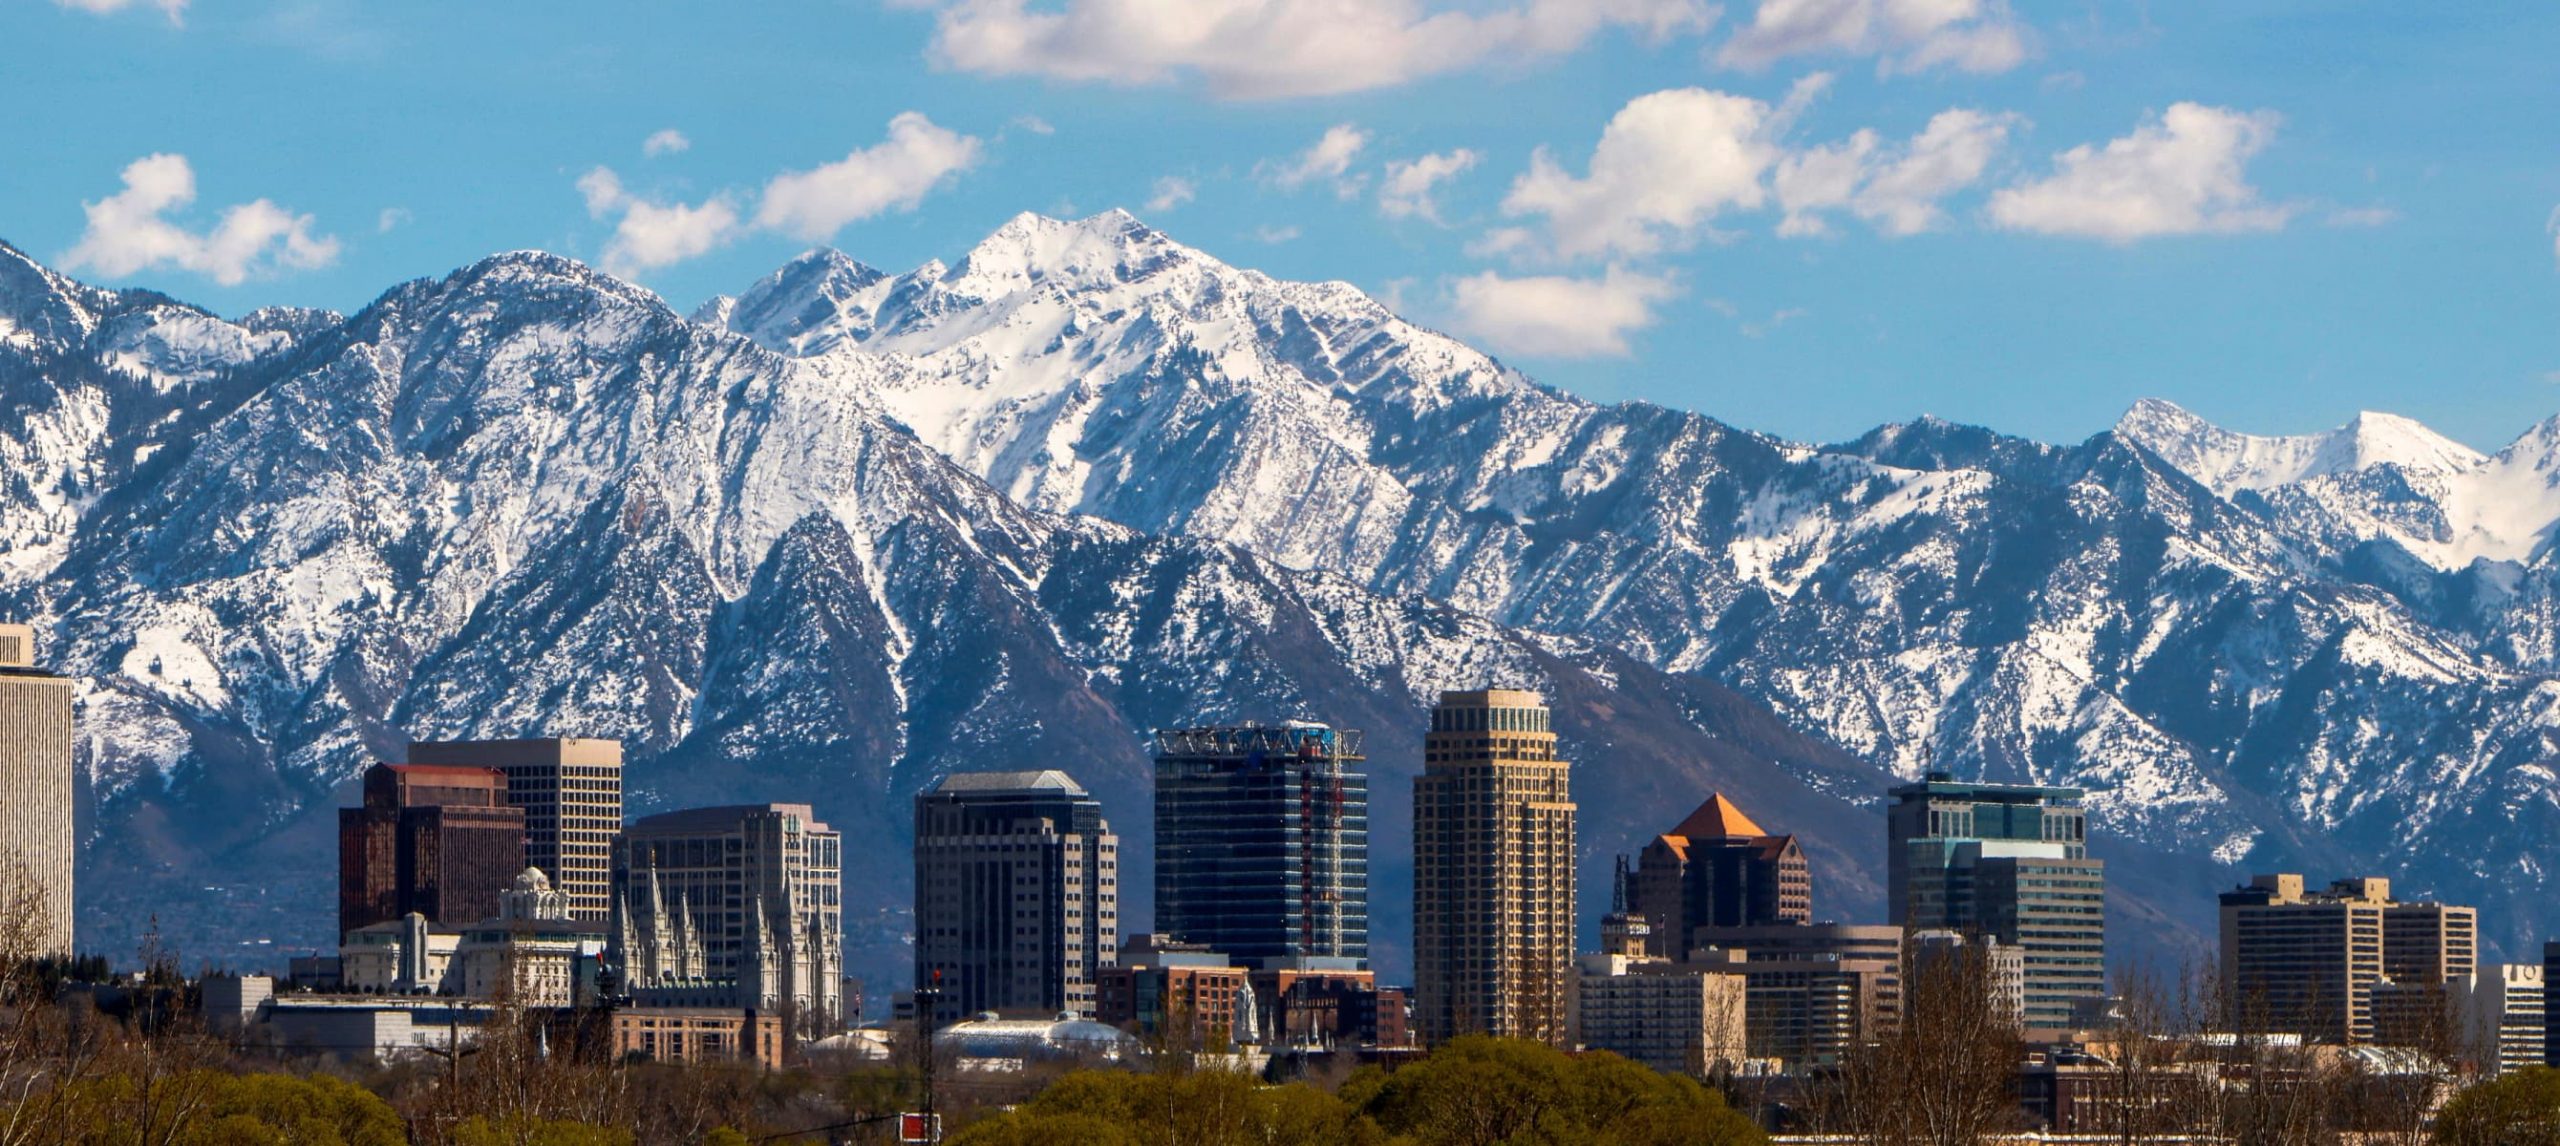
(35,800)
(1493,907)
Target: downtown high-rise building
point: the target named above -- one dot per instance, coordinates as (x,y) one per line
(1493,879)
(571,791)
(738,906)
(2348,964)
(440,842)
(1262,844)
(1718,869)
(1017,893)
(36,839)
(2011,862)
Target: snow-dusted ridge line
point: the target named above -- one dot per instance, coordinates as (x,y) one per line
(850,528)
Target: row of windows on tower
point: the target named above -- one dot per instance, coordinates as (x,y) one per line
(1489,720)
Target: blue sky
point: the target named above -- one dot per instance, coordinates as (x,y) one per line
(2284,212)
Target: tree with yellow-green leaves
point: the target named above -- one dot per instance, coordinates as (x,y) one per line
(1191,1107)
(2517,1109)
(1471,1092)
(1484,1091)
(217,1108)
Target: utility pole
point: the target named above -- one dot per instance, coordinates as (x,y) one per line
(928,1008)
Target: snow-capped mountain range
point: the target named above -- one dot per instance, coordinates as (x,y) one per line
(851,530)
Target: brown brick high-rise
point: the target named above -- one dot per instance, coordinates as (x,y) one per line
(440,842)
(1493,889)
(1718,869)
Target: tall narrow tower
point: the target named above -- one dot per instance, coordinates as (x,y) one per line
(1493,904)
(35,801)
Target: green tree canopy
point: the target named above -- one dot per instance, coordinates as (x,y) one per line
(1191,1108)
(1511,1092)
(2519,1109)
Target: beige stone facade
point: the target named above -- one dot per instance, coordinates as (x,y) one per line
(1493,876)
(36,838)
(1674,1017)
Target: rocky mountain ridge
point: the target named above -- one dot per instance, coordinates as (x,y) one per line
(851,530)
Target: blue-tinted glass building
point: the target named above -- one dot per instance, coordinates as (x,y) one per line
(1262,843)
(2010,861)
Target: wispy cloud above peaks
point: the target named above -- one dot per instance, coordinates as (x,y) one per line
(1896,189)
(175,9)
(1978,36)
(892,175)
(1406,192)
(1170,192)
(664,141)
(1276,49)
(2183,172)
(1557,316)
(650,234)
(130,231)
(1328,159)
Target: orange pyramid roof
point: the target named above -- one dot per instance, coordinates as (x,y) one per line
(1718,819)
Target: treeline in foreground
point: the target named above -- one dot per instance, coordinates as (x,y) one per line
(1471,1091)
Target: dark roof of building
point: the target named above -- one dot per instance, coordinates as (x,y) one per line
(454,770)
(719,818)
(1045,780)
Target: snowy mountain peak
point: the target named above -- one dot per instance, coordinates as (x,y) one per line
(1033,249)
(542,271)
(2228,462)
(37,305)
(810,304)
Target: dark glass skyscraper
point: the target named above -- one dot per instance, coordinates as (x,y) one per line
(440,842)
(1262,843)
(2009,861)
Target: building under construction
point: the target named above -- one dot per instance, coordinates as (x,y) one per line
(1262,843)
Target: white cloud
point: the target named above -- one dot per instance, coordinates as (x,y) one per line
(1034,124)
(1979,36)
(1269,49)
(1275,235)
(2179,174)
(1407,190)
(128,231)
(664,141)
(1947,156)
(1170,192)
(1895,189)
(1553,316)
(2553,226)
(1328,158)
(1819,179)
(651,234)
(176,9)
(1667,164)
(391,217)
(894,174)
